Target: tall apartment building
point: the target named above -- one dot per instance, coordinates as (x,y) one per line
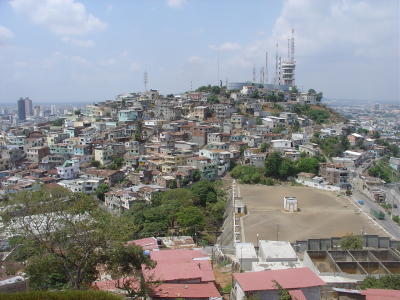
(21,109)
(25,108)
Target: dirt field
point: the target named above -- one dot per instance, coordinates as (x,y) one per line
(322,214)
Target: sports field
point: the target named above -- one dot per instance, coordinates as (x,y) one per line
(322,214)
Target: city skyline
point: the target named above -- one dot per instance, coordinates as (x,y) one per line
(90,51)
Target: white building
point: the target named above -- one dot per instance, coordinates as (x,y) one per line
(245,254)
(84,184)
(290,204)
(281,144)
(69,169)
(306,98)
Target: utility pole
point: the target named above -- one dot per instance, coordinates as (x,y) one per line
(277,232)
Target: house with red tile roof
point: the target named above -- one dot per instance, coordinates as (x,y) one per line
(181,272)
(301,283)
(379,294)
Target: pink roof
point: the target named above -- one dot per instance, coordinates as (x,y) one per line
(111,285)
(288,279)
(187,264)
(195,290)
(146,243)
(297,294)
(378,294)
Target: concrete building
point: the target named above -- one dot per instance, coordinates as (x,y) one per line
(245,254)
(69,169)
(36,154)
(276,251)
(306,98)
(290,204)
(335,174)
(21,109)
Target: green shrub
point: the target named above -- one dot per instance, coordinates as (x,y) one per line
(61,295)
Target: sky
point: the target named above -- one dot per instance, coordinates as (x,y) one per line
(71,51)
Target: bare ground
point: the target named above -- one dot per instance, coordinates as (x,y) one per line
(322,214)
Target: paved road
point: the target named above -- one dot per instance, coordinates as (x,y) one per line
(388,224)
(391,227)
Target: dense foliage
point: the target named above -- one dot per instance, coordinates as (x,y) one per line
(382,170)
(391,282)
(276,167)
(63,237)
(61,295)
(392,149)
(351,242)
(196,210)
(317,115)
(332,145)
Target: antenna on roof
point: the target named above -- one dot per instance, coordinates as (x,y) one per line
(266,67)
(292,48)
(276,65)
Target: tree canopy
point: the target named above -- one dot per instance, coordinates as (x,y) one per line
(65,232)
(391,282)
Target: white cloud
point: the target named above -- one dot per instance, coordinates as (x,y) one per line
(108,62)
(337,27)
(78,59)
(226,46)
(62,17)
(78,43)
(176,3)
(135,67)
(194,59)
(5,35)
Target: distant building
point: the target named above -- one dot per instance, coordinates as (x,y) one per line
(21,109)
(28,107)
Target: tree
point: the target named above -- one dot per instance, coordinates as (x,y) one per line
(264,146)
(126,263)
(46,272)
(271,98)
(67,229)
(272,164)
(308,165)
(101,190)
(351,242)
(196,176)
(254,94)
(319,97)
(391,282)
(191,219)
(77,112)
(312,92)
(58,122)
(212,99)
(283,293)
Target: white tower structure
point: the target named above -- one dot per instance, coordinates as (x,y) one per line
(287,66)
